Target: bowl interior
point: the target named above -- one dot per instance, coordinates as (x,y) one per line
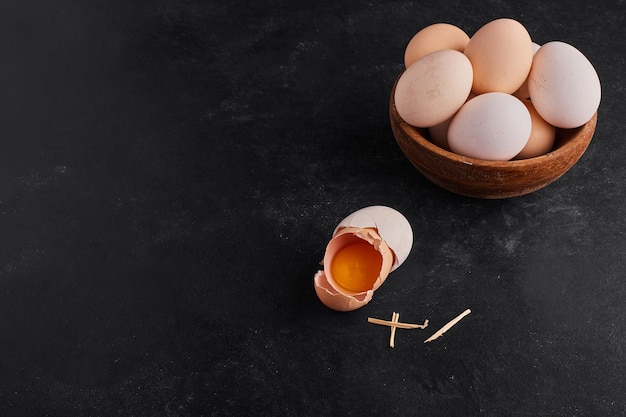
(489,179)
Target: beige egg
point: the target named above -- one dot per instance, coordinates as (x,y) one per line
(439,134)
(501,54)
(542,135)
(433,38)
(433,88)
(522,93)
(365,247)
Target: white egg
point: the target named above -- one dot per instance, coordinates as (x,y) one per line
(491,126)
(563,85)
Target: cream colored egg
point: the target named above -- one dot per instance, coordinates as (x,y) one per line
(433,38)
(365,247)
(490,126)
(564,86)
(501,54)
(433,88)
(439,134)
(542,135)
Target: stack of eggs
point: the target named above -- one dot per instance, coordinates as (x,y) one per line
(497,95)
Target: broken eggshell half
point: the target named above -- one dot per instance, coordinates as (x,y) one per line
(390,235)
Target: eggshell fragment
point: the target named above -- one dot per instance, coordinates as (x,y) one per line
(392,226)
(331,292)
(382,227)
(433,38)
(350,235)
(491,126)
(564,86)
(501,54)
(433,88)
(336,299)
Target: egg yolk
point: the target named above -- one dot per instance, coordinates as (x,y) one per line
(356,266)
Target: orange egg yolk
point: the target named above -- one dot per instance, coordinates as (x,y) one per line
(356,266)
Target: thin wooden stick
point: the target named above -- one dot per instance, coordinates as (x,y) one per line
(398,324)
(395,324)
(447,327)
(392,339)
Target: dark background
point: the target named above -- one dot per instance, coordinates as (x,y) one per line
(171,172)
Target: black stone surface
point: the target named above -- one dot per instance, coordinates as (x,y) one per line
(171,171)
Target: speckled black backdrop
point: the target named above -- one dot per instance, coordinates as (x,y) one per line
(171,171)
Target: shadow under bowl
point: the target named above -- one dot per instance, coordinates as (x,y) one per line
(480,178)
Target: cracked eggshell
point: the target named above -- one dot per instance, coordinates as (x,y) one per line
(392,226)
(335,299)
(349,235)
(382,227)
(331,293)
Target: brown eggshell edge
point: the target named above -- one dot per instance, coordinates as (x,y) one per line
(333,295)
(336,300)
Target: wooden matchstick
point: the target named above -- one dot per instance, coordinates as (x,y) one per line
(394,319)
(447,327)
(397,324)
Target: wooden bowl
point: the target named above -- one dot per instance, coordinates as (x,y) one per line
(489,179)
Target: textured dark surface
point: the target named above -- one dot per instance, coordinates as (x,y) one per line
(171,171)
